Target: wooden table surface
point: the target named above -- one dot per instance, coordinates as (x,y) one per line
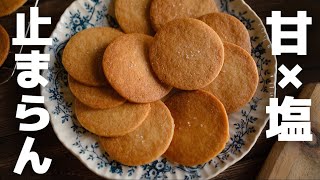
(64,164)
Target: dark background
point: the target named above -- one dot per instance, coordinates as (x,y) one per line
(65,165)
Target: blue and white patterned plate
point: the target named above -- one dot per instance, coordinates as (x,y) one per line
(245,125)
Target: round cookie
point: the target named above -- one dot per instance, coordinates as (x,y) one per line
(127,68)
(229,28)
(4,45)
(134,16)
(172,92)
(186,54)
(201,127)
(116,121)
(9,6)
(238,79)
(145,144)
(164,11)
(95,97)
(83,54)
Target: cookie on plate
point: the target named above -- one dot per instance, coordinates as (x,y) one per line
(127,68)
(134,16)
(238,79)
(201,127)
(4,45)
(7,7)
(82,56)
(229,28)
(145,144)
(172,92)
(116,121)
(164,11)
(186,54)
(95,97)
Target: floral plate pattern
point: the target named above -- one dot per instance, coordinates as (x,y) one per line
(245,125)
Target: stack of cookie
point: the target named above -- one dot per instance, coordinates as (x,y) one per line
(165,95)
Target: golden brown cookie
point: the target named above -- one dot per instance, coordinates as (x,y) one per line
(186,54)
(134,16)
(164,11)
(116,121)
(4,45)
(95,97)
(82,57)
(229,28)
(145,144)
(238,79)
(127,68)
(9,6)
(201,127)
(171,93)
